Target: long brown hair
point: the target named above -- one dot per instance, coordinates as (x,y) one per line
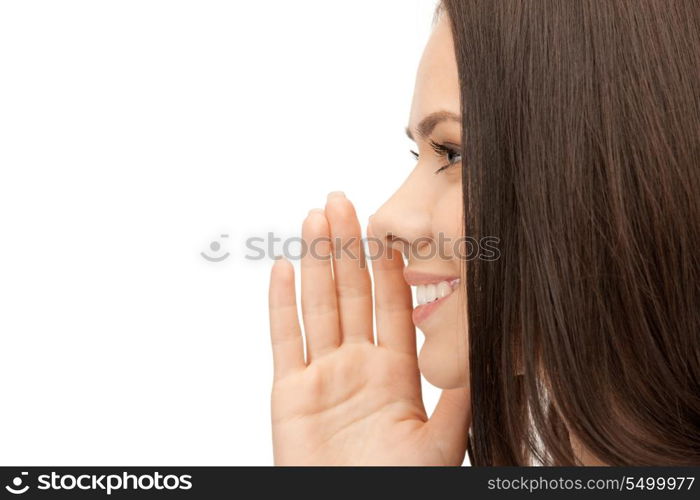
(581,136)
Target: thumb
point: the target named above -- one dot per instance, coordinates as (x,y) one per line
(450,421)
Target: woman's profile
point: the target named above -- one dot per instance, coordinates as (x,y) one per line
(563,138)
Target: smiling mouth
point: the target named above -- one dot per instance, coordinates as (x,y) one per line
(429,296)
(432,292)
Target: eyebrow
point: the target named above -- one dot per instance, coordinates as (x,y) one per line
(427,124)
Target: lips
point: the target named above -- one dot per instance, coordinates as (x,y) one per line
(432,290)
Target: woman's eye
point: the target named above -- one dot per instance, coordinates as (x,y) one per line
(452,155)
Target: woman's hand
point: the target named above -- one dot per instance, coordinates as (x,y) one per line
(352,401)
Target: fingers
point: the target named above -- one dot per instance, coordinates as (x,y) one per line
(285,332)
(318,297)
(336,290)
(352,281)
(393,302)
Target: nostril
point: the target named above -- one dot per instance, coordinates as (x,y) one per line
(378,229)
(392,238)
(398,243)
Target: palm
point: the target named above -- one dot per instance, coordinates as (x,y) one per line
(374,405)
(353,401)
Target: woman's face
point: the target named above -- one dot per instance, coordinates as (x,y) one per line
(424,217)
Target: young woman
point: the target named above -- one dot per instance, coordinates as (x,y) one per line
(569,133)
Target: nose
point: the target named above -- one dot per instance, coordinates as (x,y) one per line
(404,220)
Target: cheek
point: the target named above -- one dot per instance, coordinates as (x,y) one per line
(447,219)
(444,357)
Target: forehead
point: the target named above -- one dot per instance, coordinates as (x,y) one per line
(437,81)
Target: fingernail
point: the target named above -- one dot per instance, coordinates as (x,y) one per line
(335,193)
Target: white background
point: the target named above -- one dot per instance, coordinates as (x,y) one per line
(134,133)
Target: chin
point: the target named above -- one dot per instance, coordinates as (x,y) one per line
(442,367)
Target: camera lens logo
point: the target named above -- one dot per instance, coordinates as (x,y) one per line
(16,487)
(215,247)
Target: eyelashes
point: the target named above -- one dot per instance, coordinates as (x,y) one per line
(451,154)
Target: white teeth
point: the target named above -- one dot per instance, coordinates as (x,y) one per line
(431,292)
(434,291)
(420,295)
(443,289)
